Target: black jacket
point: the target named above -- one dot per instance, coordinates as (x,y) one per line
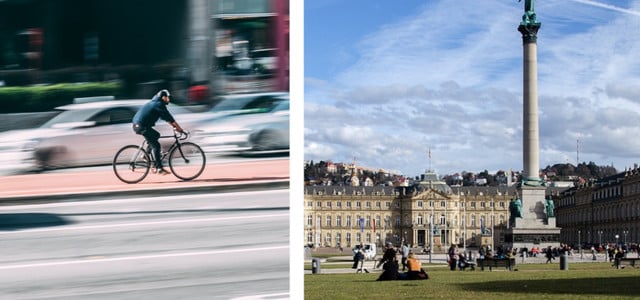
(153,110)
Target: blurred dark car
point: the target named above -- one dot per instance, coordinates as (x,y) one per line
(85,134)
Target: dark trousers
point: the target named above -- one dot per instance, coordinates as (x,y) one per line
(404,263)
(152,136)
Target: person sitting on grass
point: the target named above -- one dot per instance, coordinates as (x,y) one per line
(390,270)
(415,268)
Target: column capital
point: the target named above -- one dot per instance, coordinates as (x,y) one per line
(529,32)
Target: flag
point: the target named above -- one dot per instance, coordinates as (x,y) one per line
(373,224)
(361,224)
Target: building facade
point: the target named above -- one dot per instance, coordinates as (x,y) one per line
(428,212)
(601,212)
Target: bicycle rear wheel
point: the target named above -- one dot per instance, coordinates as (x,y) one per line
(131,164)
(187,161)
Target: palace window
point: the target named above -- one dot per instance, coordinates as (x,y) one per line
(328,221)
(348,221)
(419,203)
(319,204)
(338,221)
(349,204)
(310,220)
(419,220)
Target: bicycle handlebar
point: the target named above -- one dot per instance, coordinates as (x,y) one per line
(181,135)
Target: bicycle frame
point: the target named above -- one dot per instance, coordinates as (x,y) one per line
(186,159)
(163,154)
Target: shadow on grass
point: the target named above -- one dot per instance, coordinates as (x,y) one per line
(19,221)
(620,286)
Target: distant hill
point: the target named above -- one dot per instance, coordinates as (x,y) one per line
(328,172)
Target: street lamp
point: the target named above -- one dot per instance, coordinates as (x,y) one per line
(617,237)
(492,222)
(579,244)
(625,232)
(600,237)
(600,242)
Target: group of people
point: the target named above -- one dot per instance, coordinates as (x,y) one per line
(391,266)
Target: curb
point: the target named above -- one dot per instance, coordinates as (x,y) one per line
(247,186)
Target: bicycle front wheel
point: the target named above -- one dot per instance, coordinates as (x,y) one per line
(131,164)
(187,161)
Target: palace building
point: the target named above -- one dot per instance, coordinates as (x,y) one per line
(428,212)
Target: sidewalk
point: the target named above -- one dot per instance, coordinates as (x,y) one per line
(250,174)
(440,261)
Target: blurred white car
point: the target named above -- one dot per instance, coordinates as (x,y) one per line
(246,104)
(246,133)
(83,134)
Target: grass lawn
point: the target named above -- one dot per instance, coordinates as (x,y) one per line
(530,281)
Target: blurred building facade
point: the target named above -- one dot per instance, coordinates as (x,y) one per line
(603,211)
(228,45)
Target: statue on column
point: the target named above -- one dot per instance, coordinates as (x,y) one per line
(548,207)
(529,16)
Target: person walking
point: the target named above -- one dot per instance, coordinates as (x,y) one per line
(453,257)
(549,255)
(405,253)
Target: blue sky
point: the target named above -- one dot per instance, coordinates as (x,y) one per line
(385,81)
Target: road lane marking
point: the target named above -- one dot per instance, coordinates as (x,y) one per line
(163,222)
(96,259)
(141,199)
(277,296)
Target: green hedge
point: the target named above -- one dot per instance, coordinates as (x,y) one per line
(47,97)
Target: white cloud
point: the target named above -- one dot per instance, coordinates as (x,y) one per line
(449,78)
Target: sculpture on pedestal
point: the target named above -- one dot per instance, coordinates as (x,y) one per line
(548,207)
(515,209)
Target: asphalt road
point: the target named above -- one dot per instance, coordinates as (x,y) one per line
(195,246)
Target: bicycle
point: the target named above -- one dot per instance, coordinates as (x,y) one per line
(131,163)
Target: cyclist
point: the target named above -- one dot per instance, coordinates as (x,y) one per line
(146,118)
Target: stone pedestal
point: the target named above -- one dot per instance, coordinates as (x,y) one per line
(534,228)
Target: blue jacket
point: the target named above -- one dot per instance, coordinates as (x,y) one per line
(153,110)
